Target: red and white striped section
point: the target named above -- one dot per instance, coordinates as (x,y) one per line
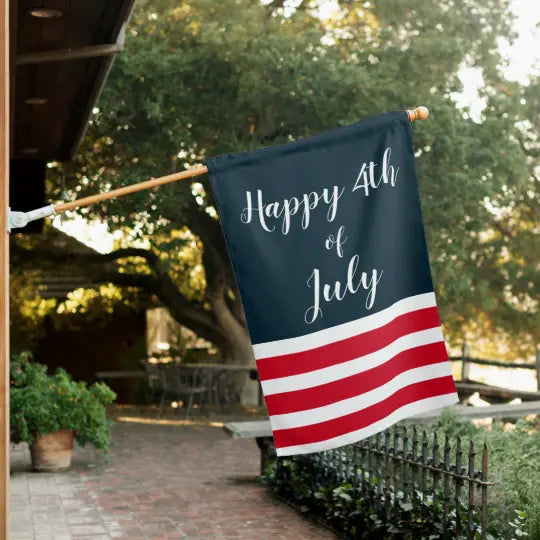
(342,384)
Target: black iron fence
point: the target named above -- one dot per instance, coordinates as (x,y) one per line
(405,476)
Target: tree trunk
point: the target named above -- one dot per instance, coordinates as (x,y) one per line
(240,346)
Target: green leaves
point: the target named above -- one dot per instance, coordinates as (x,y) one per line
(513,501)
(205,78)
(42,403)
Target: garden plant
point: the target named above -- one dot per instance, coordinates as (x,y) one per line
(41,403)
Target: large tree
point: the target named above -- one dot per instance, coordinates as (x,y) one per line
(202,78)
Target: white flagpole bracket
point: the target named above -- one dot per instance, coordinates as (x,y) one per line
(16,220)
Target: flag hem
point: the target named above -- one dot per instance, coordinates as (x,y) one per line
(404,412)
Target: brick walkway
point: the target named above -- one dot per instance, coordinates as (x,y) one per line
(161,482)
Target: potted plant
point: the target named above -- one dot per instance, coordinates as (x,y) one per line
(49,411)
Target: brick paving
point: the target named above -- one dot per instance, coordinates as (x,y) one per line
(161,482)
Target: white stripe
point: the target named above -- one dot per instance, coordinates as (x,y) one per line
(357,403)
(352,367)
(344,331)
(411,409)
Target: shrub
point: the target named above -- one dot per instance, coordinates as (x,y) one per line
(358,516)
(41,403)
(514,467)
(513,502)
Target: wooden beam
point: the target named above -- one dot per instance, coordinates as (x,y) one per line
(538,367)
(4,268)
(465,366)
(494,392)
(497,363)
(62,55)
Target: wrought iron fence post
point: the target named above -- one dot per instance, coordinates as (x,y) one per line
(355,470)
(361,450)
(405,469)
(414,468)
(395,467)
(458,484)
(446,484)
(370,482)
(379,465)
(470,525)
(484,478)
(387,495)
(435,475)
(423,472)
(465,365)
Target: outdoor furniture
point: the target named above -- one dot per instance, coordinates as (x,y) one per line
(155,379)
(218,378)
(183,384)
(259,430)
(211,382)
(171,380)
(210,377)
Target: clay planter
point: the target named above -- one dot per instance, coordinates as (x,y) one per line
(52,451)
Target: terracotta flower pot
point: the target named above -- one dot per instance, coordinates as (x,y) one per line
(52,451)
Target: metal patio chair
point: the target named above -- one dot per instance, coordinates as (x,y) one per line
(155,377)
(183,384)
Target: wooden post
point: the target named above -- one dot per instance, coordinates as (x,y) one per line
(4,269)
(538,367)
(464,363)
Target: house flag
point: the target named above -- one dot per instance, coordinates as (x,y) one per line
(326,239)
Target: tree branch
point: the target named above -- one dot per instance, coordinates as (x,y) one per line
(70,256)
(198,319)
(159,283)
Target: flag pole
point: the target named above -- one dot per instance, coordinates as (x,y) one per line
(85,201)
(20,219)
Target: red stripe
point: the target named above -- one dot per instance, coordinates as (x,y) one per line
(347,349)
(348,387)
(352,422)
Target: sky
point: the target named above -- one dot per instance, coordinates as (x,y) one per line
(522,57)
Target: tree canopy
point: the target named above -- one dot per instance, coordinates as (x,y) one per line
(202,78)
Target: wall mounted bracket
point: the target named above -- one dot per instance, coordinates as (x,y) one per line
(16,220)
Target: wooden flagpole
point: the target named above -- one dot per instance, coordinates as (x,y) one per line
(4,269)
(419,113)
(85,201)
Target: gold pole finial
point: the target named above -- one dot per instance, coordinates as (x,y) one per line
(418,113)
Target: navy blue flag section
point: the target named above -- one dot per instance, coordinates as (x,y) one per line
(326,239)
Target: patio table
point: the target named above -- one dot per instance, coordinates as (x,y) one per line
(117,374)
